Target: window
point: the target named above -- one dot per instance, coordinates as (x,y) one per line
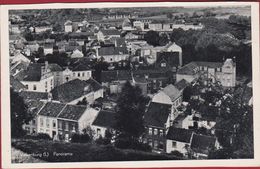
(67,126)
(47,123)
(163,64)
(155,132)
(78,74)
(26,86)
(161,132)
(46,84)
(88,74)
(34,131)
(98,131)
(161,145)
(150,142)
(47,131)
(54,123)
(34,87)
(51,82)
(60,124)
(150,131)
(83,74)
(73,128)
(74,74)
(174,144)
(155,144)
(160,83)
(41,122)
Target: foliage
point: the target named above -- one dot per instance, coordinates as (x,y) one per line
(90,132)
(83,101)
(130,111)
(19,114)
(123,143)
(84,152)
(152,38)
(80,138)
(39,136)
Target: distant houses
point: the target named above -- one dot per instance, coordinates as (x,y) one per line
(225,73)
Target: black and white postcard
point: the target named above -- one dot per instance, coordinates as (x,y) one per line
(130,85)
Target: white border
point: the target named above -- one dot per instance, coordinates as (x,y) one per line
(5,107)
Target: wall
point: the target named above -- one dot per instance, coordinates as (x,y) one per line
(40,85)
(43,128)
(180,146)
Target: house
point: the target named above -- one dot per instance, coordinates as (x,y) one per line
(47,119)
(40,29)
(74,119)
(131,35)
(61,121)
(81,71)
(178,139)
(169,95)
(18,57)
(77,54)
(107,34)
(104,121)
(157,121)
(154,79)
(16,84)
(68,26)
(47,48)
(34,106)
(32,46)
(156,25)
(36,96)
(15,29)
(201,145)
(75,90)
(57,73)
(225,73)
(38,78)
(112,54)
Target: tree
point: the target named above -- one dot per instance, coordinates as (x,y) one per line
(163,39)
(152,38)
(19,114)
(130,112)
(169,15)
(90,132)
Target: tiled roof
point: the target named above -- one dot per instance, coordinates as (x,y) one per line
(109,76)
(104,51)
(34,106)
(28,95)
(210,64)
(33,72)
(157,114)
(172,92)
(112,75)
(179,134)
(72,112)
(181,84)
(105,119)
(16,84)
(189,69)
(110,32)
(81,67)
(74,89)
(54,67)
(202,144)
(51,109)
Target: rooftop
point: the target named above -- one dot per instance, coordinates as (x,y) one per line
(157,114)
(105,118)
(202,144)
(51,109)
(72,112)
(179,134)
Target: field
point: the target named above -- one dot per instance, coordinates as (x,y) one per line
(72,152)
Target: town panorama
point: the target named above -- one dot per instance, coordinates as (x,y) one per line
(131,84)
